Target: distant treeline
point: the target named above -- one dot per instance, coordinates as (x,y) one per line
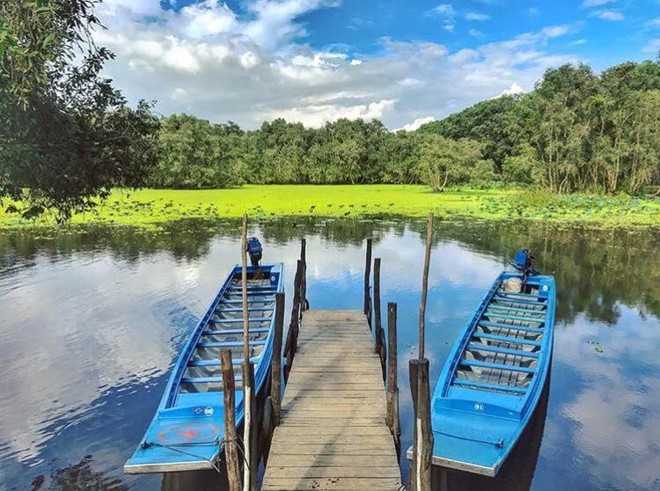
(576,131)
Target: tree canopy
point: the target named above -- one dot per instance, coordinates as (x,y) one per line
(576,131)
(67,137)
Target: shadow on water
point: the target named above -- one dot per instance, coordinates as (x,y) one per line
(517,472)
(197,480)
(78,477)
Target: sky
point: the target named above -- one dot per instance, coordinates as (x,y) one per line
(314,61)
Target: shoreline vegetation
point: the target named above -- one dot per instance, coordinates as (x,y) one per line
(154,208)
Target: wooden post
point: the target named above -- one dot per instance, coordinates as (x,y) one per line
(303,281)
(276,365)
(413,369)
(291,344)
(231,440)
(423,431)
(246,319)
(249,398)
(420,475)
(392,416)
(249,429)
(367,274)
(425,283)
(380,334)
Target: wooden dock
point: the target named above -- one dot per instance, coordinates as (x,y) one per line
(333,433)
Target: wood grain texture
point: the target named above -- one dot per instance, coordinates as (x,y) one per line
(332,433)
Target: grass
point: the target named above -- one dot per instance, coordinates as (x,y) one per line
(151,207)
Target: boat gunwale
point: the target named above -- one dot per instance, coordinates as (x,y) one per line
(171,392)
(459,348)
(527,402)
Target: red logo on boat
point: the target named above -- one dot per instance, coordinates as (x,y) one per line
(188,433)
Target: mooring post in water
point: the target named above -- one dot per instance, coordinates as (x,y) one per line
(423,448)
(425,285)
(413,369)
(392,415)
(420,475)
(380,334)
(291,344)
(276,365)
(231,439)
(303,280)
(249,427)
(249,471)
(367,274)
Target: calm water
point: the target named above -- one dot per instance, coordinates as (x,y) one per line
(90,324)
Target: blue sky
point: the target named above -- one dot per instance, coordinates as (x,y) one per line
(317,60)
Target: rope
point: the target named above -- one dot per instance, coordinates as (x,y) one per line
(498,444)
(173,446)
(239,447)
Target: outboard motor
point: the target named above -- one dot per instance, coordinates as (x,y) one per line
(523,261)
(255,250)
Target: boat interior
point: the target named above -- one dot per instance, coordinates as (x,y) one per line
(225,330)
(503,351)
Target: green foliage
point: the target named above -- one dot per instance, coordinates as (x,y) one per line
(66,136)
(494,123)
(577,131)
(449,162)
(195,154)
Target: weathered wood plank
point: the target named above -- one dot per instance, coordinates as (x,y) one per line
(333,433)
(281,484)
(336,472)
(280,461)
(329,439)
(333,449)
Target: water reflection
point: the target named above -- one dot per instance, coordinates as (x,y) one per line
(77,477)
(92,320)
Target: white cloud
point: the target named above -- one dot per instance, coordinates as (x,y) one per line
(654,22)
(596,3)
(578,42)
(515,89)
(610,15)
(475,33)
(248,70)
(533,11)
(316,116)
(555,31)
(476,16)
(207,18)
(444,9)
(463,56)
(274,23)
(415,125)
(653,46)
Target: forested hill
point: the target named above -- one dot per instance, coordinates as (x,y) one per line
(576,131)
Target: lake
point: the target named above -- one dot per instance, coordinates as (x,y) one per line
(92,321)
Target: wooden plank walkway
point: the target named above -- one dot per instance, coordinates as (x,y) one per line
(333,433)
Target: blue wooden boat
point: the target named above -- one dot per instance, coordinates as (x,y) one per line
(187,430)
(495,374)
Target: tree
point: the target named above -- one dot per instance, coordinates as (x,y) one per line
(194,154)
(494,122)
(67,137)
(448,162)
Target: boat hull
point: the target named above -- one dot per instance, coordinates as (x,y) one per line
(187,431)
(492,380)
